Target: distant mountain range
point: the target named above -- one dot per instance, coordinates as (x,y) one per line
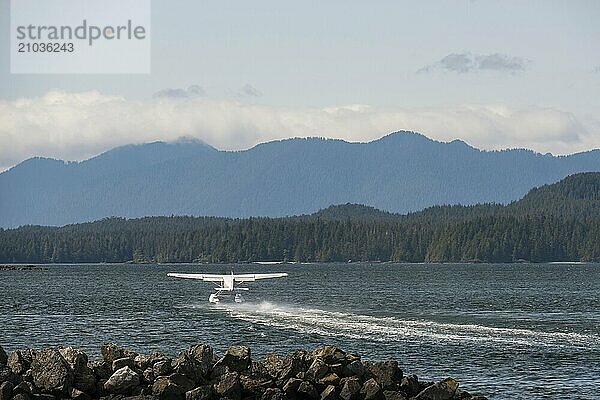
(557,222)
(401,172)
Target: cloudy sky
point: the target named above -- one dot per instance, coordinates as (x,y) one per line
(496,74)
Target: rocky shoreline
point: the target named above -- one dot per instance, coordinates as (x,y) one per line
(326,373)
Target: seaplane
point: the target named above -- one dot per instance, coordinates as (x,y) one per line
(226,284)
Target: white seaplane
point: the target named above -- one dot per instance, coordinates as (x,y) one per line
(227,283)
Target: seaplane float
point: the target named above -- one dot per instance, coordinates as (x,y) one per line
(228,284)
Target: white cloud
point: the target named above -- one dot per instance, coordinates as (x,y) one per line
(75,126)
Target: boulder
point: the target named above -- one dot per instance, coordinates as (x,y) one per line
(350,388)
(3,356)
(182,381)
(386,373)
(200,393)
(393,395)
(329,354)
(19,361)
(122,362)
(229,386)
(409,385)
(110,352)
(291,386)
(273,394)
(292,365)
(165,389)
(21,396)
(102,369)
(307,391)
(84,378)
(50,371)
(6,390)
(77,394)
(273,364)
(236,358)
(330,379)
(186,365)
(162,368)
(317,370)
(443,390)
(329,393)
(141,362)
(371,390)
(354,368)
(203,354)
(122,381)
(25,388)
(254,386)
(156,357)
(148,375)
(7,375)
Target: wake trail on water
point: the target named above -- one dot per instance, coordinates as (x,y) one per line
(390,329)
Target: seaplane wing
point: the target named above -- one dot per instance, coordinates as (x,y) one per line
(222,278)
(255,277)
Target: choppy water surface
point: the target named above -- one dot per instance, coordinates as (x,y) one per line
(507,331)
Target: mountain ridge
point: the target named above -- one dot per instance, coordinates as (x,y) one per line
(400,172)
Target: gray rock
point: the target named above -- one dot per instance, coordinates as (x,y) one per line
(253,385)
(443,390)
(162,368)
(102,369)
(3,356)
(25,388)
(236,358)
(156,357)
(148,375)
(77,394)
(273,363)
(122,381)
(350,388)
(50,371)
(355,368)
(200,393)
(330,379)
(291,386)
(84,378)
(386,373)
(292,365)
(110,352)
(21,396)
(19,361)
(329,393)
(186,365)
(141,362)
(371,390)
(6,390)
(122,362)
(329,354)
(182,381)
(164,389)
(307,390)
(203,354)
(410,385)
(317,370)
(7,375)
(393,395)
(229,386)
(273,394)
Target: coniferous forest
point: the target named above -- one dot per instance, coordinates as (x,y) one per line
(558,222)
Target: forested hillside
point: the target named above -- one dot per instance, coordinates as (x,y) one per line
(558,222)
(401,172)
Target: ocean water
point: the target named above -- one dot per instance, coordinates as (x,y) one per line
(508,331)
